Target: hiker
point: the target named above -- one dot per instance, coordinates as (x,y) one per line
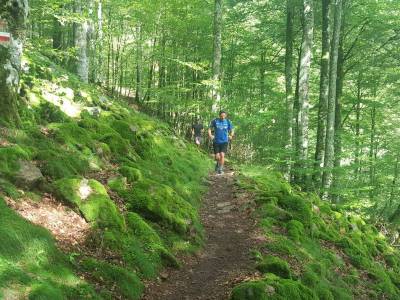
(223,133)
(197,132)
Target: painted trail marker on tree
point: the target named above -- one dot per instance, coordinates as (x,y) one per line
(4,34)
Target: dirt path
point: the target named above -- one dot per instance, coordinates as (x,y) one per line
(225,259)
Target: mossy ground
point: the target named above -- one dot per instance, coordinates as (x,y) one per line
(91,149)
(315,250)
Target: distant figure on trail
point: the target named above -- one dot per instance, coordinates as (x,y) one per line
(223,133)
(197,132)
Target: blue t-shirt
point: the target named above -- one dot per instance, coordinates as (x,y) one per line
(221,130)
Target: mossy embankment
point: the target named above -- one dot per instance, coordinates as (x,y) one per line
(127,175)
(314,250)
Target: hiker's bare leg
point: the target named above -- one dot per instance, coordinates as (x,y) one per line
(222,159)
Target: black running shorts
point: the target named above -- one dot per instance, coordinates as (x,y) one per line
(218,148)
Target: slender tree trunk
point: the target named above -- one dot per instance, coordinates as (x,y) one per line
(394,183)
(216,68)
(57,34)
(323,92)
(357,154)
(295,177)
(81,43)
(262,76)
(372,154)
(338,123)
(99,77)
(14,14)
(289,86)
(330,128)
(138,92)
(305,64)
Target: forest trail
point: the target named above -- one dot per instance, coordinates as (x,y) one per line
(225,259)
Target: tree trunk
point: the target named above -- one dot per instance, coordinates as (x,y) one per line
(57,34)
(289,86)
(357,161)
(14,13)
(330,128)
(81,44)
(323,93)
(262,76)
(306,51)
(372,153)
(216,67)
(138,92)
(338,122)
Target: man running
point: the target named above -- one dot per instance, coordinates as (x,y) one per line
(223,132)
(197,131)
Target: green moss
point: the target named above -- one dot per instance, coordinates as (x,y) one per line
(31,264)
(126,282)
(275,265)
(60,164)
(160,203)
(282,245)
(118,184)
(295,230)
(9,189)
(9,157)
(273,288)
(132,174)
(254,290)
(273,211)
(45,291)
(47,112)
(91,199)
(298,207)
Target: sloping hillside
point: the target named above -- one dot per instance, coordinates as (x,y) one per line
(130,187)
(314,250)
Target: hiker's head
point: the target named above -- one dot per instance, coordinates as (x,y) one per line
(222,115)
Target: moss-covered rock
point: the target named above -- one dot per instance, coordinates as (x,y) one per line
(273,288)
(132,174)
(91,199)
(275,265)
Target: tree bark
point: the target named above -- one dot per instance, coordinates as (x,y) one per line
(289,85)
(14,13)
(357,161)
(338,123)
(323,93)
(372,154)
(305,64)
(138,92)
(81,44)
(216,67)
(330,128)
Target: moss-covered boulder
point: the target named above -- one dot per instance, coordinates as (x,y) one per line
(274,265)
(91,199)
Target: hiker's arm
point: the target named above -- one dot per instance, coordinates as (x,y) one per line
(210,133)
(231,133)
